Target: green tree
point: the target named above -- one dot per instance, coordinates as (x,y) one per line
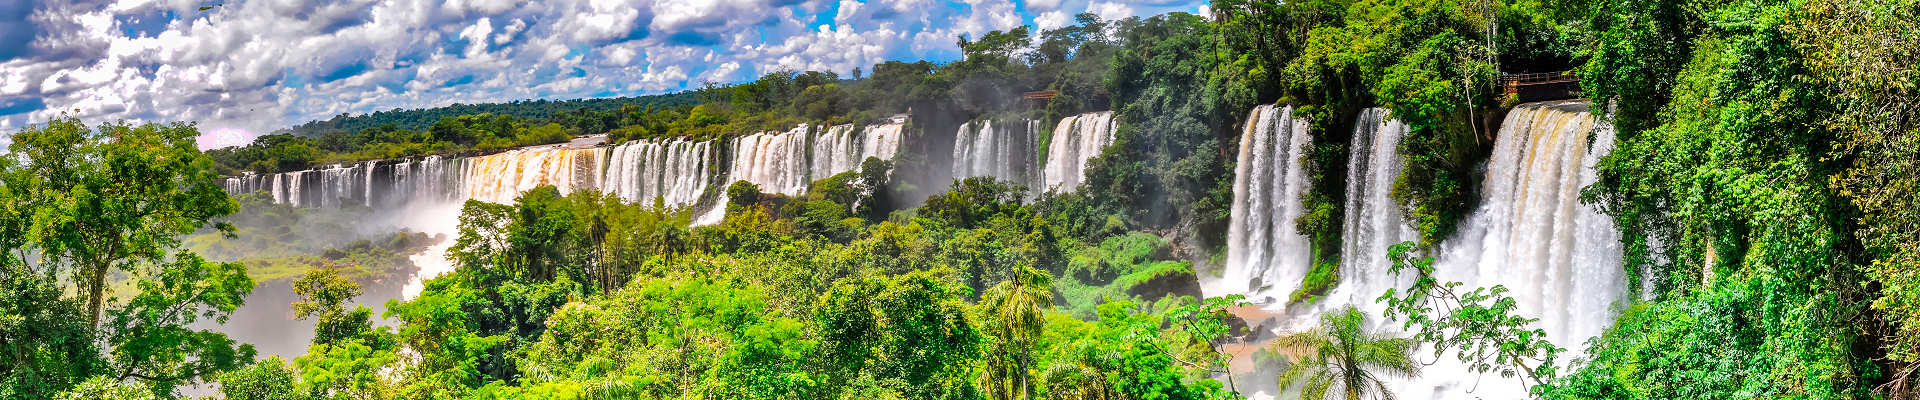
(1341,360)
(104,388)
(268,379)
(45,345)
(742,194)
(116,198)
(150,339)
(323,297)
(1018,309)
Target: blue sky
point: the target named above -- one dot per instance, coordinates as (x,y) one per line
(249,66)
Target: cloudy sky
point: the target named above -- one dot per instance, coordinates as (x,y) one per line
(240,67)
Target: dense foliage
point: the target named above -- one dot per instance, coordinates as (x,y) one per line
(86,204)
(591,115)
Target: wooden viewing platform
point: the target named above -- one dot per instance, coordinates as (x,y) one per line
(1538,86)
(1040,95)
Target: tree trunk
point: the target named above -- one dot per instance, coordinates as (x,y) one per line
(96,288)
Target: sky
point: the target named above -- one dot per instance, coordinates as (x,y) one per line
(244,67)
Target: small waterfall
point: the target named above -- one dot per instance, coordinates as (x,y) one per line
(881,140)
(1560,258)
(984,148)
(293,187)
(1266,256)
(675,171)
(1077,139)
(1373,219)
(777,161)
(834,151)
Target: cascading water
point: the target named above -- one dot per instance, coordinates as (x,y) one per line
(882,140)
(1266,256)
(498,178)
(1077,139)
(776,161)
(834,151)
(986,149)
(1373,219)
(843,148)
(677,171)
(1560,258)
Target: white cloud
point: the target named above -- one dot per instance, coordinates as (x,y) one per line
(1043,5)
(1051,20)
(252,66)
(1110,10)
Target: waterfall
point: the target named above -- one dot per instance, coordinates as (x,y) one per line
(1075,140)
(986,149)
(843,148)
(1266,256)
(675,171)
(498,178)
(425,194)
(1373,218)
(776,161)
(834,151)
(882,140)
(1560,258)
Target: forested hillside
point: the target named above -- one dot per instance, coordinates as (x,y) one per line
(1755,160)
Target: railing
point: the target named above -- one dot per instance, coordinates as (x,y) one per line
(1041,95)
(1510,83)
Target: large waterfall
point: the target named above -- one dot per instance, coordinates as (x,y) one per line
(680,172)
(1005,151)
(498,178)
(1266,256)
(1075,140)
(1560,258)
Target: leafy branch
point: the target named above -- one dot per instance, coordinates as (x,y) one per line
(1482,324)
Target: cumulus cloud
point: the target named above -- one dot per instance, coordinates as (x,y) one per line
(246,67)
(1108,10)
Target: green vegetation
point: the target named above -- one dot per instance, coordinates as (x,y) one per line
(84,204)
(590,115)
(1342,360)
(956,302)
(1748,146)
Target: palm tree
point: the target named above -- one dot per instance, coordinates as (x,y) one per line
(1341,360)
(1019,307)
